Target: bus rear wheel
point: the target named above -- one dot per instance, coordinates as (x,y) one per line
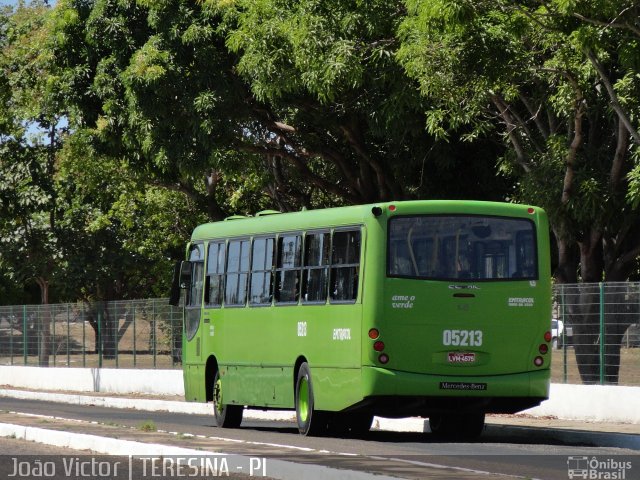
(311,422)
(466,426)
(227,416)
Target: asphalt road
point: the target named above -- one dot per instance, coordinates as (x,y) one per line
(527,453)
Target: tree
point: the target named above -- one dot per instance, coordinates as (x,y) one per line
(559,80)
(28,216)
(321,115)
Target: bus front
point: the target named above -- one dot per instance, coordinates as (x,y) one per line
(462,325)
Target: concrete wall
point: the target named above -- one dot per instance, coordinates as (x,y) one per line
(572,402)
(595,403)
(105,380)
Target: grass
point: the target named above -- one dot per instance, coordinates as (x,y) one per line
(148,426)
(629,367)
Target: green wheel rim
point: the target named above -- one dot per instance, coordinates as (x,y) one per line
(303,399)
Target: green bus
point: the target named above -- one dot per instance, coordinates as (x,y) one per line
(439,309)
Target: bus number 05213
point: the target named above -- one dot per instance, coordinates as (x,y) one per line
(462,338)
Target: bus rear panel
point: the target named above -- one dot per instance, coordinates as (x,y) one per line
(465,311)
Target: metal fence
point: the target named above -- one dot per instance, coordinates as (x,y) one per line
(597,333)
(122,334)
(595,328)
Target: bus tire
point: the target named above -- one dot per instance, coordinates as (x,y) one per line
(354,424)
(311,422)
(463,426)
(227,416)
(472,425)
(360,423)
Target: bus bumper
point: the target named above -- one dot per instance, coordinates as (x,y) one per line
(394,393)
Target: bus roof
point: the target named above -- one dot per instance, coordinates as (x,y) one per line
(271,221)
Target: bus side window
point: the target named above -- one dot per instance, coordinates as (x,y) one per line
(345,265)
(287,287)
(237,273)
(215,274)
(261,271)
(315,267)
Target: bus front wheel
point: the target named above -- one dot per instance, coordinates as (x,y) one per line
(311,422)
(227,416)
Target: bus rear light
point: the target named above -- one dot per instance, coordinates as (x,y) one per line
(378,346)
(538,361)
(383,358)
(544,348)
(374,333)
(392,208)
(530,210)
(547,336)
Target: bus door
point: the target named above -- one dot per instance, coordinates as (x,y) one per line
(192,341)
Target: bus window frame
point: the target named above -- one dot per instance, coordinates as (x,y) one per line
(274,237)
(239,272)
(207,300)
(305,268)
(534,277)
(277,270)
(358,266)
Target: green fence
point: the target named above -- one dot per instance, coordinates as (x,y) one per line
(597,333)
(122,334)
(595,327)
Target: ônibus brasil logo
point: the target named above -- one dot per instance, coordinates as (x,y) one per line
(597,469)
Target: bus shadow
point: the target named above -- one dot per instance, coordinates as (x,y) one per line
(493,434)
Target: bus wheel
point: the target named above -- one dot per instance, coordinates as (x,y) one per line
(354,423)
(465,426)
(227,416)
(360,423)
(310,422)
(473,425)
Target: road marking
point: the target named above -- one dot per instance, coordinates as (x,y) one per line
(293,447)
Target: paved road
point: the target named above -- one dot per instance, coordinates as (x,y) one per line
(528,453)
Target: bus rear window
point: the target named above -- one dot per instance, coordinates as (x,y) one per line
(459,247)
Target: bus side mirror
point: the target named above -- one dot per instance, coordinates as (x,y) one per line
(181,280)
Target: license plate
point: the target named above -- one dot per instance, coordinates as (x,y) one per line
(461,357)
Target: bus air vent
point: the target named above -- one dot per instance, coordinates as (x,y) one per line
(264,213)
(234,217)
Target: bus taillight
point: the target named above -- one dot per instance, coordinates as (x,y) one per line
(378,346)
(547,336)
(538,361)
(383,358)
(374,333)
(543,348)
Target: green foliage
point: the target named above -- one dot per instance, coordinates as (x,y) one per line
(539,72)
(181,111)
